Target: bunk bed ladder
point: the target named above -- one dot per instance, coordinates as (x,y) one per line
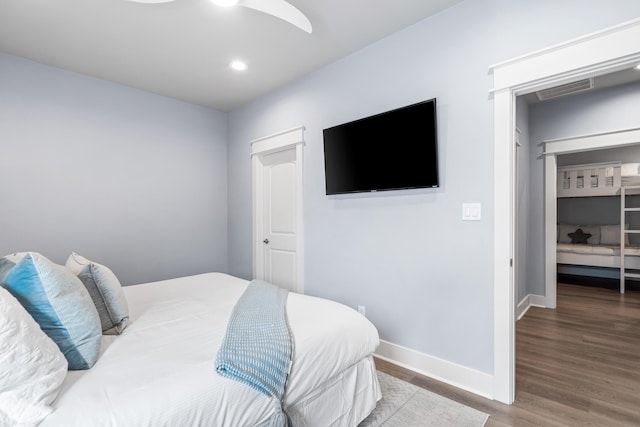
(634,274)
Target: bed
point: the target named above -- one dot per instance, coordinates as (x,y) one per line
(160,371)
(604,248)
(597,255)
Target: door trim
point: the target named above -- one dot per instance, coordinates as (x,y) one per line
(602,52)
(281,141)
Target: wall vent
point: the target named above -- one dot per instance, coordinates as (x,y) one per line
(566,89)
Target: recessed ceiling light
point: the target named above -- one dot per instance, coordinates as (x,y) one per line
(225,3)
(637,67)
(238,65)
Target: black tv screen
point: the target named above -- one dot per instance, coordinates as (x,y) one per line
(394,150)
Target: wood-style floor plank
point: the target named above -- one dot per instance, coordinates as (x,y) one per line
(577,365)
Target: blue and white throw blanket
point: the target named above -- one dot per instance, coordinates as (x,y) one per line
(257,348)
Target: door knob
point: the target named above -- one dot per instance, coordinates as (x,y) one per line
(265,241)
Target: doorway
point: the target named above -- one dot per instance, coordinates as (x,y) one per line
(278,247)
(599,53)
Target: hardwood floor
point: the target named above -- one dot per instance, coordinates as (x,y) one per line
(577,365)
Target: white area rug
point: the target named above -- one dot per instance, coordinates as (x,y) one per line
(407,405)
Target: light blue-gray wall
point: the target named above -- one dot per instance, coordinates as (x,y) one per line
(425,276)
(129,179)
(580,114)
(154,187)
(522,210)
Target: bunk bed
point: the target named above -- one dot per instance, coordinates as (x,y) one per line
(600,245)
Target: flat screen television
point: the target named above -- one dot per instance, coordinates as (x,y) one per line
(394,150)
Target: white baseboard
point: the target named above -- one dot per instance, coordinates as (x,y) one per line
(456,375)
(523,307)
(528,302)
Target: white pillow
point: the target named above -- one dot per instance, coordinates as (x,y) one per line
(105,290)
(610,235)
(33,367)
(564,230)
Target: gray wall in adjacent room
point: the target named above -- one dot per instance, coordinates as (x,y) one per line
(600,210)
(424,275)
(523,198)
(132,180)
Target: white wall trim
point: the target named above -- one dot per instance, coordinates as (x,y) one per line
(550,230)
(528,302)
(523,307)
(597,141)
(597,53)
(609,47)
(285,140)
(456,375)
(278,141)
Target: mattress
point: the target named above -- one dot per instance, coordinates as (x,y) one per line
(161,371)
(596,249)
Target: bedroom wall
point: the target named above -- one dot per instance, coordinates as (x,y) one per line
(132,180)
(424,275)
(580,114)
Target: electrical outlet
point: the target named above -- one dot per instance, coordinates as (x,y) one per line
(362,310)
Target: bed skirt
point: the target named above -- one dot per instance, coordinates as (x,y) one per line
(344,400)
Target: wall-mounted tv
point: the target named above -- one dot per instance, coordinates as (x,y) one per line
(394,150)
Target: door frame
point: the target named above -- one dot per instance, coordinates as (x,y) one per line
(602,52)
(291,139)
(516,218)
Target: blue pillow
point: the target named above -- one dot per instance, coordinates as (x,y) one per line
(60,304)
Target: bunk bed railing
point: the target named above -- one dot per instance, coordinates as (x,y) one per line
(596,179)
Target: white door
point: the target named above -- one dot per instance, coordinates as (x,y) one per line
(280,216)
(278,248)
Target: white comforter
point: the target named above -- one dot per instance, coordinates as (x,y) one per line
(609,250)
(160,371)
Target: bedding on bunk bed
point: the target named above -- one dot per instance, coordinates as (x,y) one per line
(594,246)
(160,371)
(605,250)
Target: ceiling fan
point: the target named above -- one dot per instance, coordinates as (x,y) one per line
(278,8)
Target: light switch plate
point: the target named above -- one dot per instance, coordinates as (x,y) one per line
(471,211)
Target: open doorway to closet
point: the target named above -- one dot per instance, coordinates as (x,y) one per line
(597,126)
(572,128)
(586,128)
(606,51)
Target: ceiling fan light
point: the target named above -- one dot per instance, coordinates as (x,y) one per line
(224,3)
(238,65)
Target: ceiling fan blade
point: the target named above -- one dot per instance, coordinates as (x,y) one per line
(280,9)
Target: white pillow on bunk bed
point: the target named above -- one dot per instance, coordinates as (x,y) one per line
(610,235)
(565,229)
(594,230)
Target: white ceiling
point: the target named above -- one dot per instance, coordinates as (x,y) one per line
(182,49)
